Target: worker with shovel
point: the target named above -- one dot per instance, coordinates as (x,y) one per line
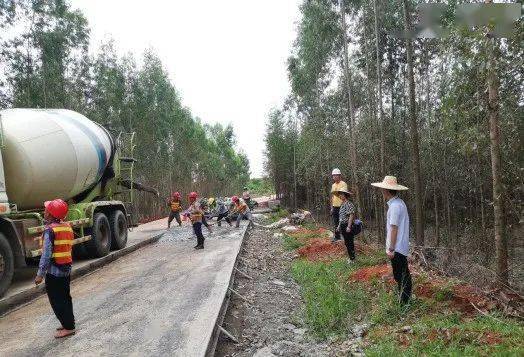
(196,215)
(242,209)
(176,207)
(397,239)
(55,265)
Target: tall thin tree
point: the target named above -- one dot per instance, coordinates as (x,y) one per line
(351,109)
(419,214)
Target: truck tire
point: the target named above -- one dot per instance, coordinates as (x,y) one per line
(7,264)
(80,251)
(118,224)
(100,242)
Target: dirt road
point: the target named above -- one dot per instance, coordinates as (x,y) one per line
(163,299)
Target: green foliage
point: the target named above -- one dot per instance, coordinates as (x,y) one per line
(46,65)
(329,300)
(261,187)
(332,302)
(448,336)
(278,215)
(290,242)
(309,134)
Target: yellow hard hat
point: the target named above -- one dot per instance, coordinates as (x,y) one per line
(210,201)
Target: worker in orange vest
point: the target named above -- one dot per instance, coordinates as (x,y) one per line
(176,207)
(55,265)
(242,209)
(196,215)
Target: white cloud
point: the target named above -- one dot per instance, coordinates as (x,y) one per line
(226,58)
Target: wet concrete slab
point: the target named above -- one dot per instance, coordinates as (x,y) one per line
(163,299)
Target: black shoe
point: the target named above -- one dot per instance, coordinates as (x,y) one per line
(200,246)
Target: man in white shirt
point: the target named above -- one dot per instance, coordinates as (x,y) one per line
(397,239)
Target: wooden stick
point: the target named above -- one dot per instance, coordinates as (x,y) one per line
(229,335)
(239,295)
(243,274)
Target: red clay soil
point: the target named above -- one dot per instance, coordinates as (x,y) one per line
(318,249)
(461,298)
(382,271)
(446,335)
(465,295)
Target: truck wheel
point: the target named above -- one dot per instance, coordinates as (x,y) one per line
(100,242)
(7,264)
(118,224)
(80,251)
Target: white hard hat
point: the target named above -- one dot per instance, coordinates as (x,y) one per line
(336,172)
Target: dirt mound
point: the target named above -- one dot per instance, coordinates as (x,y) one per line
(382,271)
(318,249)
(460,297)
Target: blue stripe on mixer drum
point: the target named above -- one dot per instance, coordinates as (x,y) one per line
(95,140)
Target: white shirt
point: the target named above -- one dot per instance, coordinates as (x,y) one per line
(398,216)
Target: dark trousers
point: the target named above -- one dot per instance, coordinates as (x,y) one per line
(174,215)
(58,292)
(197,228)
(349,240)
(335,217)
(399,263)
(222,216)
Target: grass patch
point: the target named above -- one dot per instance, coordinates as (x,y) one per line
(290,242)
(328,299)
(278,215)
(448,335)
(334,294)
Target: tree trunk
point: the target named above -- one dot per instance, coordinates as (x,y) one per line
(496,165)
(419,216)
(351,111)
(379,87)
(437,223)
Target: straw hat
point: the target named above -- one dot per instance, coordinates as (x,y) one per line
(390,183)
(348,193)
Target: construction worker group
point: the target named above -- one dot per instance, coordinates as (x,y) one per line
(201,209)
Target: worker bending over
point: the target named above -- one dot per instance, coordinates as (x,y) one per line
(196,215)
(242,209)
(55,265)
(176,208)
(222,211)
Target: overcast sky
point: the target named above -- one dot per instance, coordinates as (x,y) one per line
(226,58)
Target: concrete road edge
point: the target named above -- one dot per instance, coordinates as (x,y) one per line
(14,302)
(213,341)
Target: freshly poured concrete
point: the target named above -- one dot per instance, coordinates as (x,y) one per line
(163,299)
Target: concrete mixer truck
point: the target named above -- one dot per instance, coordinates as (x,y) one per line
(47,154)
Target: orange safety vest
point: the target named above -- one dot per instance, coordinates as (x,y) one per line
(241,207)
(62,243)
(195,214)
(175,206)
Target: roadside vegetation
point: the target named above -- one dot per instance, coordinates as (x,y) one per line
(442,318)
(261,187)
(45,63)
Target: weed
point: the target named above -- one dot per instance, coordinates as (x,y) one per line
(290,242)
(328,298)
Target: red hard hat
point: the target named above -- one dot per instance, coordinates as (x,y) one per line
(176,194)
(56,208)
(235,199)
(193,195)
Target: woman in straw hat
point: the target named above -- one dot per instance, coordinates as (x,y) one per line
(345,222)
(397,239)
